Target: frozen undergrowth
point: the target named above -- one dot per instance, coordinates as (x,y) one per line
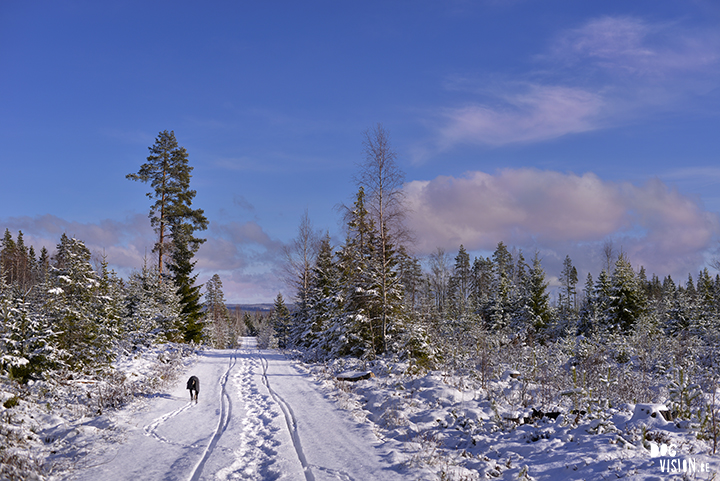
(48,425)
(467,429)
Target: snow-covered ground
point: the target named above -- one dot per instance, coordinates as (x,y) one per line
(258,417)
(262,416)
(462,433)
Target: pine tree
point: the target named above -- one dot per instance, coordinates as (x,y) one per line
(481,283)
(175,222)
(706,317)
(588,318)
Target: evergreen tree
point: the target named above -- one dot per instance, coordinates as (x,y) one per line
(481,280)
(281,320)
(32,267)
(357,328)
(323,300)
(22,262)
(152,309)
(627,301)
(499,308)
(7,258)
(588,318)
(217,314)
(521,311)
(538,297)
(568,280)
(182,268)
(705,301)
(415,342)
(602,297)
(78,308)
(250,327)
(175,222)
(28,343)
(109,301)
(411,277)
(42,266)
(460,282)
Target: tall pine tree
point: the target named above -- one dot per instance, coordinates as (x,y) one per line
(175,222)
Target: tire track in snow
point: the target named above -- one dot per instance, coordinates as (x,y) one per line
(256,454)
(291,422)
(225,414)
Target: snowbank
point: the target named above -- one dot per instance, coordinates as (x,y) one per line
(458,430)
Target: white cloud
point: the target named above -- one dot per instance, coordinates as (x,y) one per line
(607,72)
(562,212)
(245,256)
(632,46)
(537,113)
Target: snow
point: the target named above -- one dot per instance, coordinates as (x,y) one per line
(258,417)
(264,416)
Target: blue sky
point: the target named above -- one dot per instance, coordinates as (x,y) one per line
(549,125)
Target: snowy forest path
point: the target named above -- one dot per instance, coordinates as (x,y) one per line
(258,417)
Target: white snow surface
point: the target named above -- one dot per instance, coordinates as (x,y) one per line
(263,416)
(257,417)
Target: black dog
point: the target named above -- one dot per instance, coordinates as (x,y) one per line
(193,384)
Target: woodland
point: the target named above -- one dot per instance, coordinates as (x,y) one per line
(618,336)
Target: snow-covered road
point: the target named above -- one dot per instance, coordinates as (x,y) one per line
(257,417)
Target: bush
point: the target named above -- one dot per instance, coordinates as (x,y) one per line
(12,402)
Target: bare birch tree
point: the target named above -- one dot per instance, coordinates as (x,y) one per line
(383,180)
(300,258)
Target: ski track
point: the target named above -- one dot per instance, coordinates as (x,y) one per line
(225,415)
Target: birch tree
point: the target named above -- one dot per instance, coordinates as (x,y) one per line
(382,181)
